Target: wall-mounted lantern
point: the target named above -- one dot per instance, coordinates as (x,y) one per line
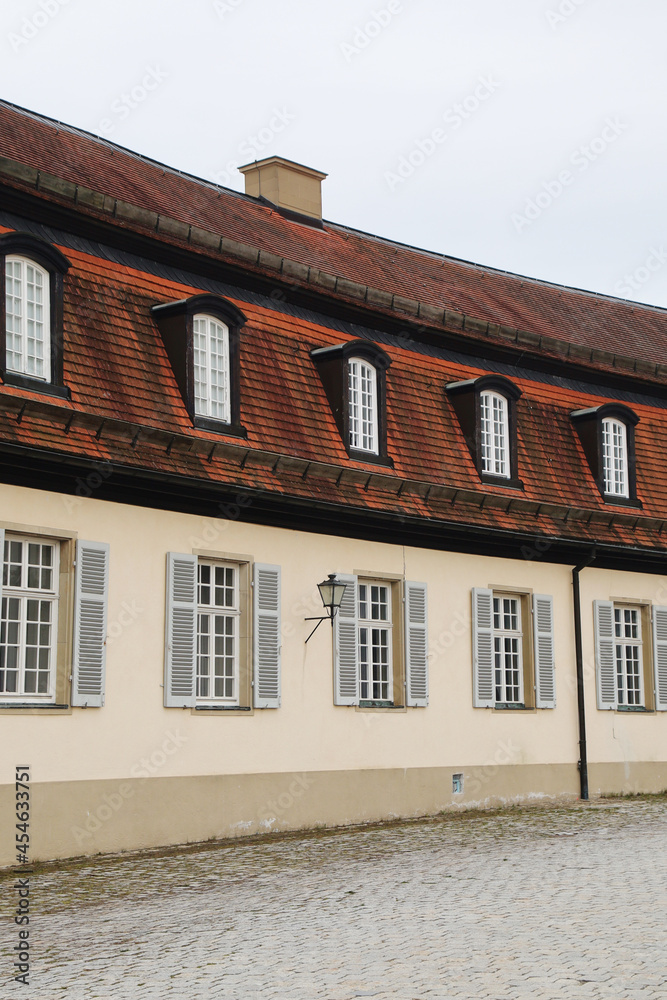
(331,592)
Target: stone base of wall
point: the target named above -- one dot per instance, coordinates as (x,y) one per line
(70,819)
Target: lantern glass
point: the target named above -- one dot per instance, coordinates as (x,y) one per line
(331,592)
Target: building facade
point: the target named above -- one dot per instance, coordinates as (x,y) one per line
(211,401)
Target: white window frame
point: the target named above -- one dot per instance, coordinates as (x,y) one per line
(628,665)
(24,319)
(504,636)
(369,624)
(23,593)
(230,614)
(363,406)
(494,435)
(211,376)
(615,465)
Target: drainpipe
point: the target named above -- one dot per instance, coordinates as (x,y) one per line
(583,760)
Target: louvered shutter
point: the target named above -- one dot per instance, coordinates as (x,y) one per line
(2,560)
(91,595)
(543,635)
(266,636)
(605,660)
(180,654)
(416,644)
(482,648)
(660,657)
(346,646)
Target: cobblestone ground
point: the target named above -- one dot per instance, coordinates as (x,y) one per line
(542,903)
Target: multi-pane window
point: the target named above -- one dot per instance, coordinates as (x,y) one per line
(494,434)
(628,655)
(362,380)
(218,615)
(375,628)
(211,368)
(28,619)
(27,312)
(507,649)
(615,458)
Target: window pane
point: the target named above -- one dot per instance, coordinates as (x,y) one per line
(27,318)
(362,396)
(211,368)
(614,458)
(494,431)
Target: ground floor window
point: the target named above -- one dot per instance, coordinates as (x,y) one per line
(218,613)
(507,649)
(28,619)
(628,655)
(375,642)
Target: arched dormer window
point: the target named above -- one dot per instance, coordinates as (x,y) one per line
(494,432)
(211,367)
(362,402)
(32,309)
(615,458)
(354,378)
(486,410)
(607,435)
(201,336)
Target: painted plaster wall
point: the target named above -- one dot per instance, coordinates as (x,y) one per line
(308,732)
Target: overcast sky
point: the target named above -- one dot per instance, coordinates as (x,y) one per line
(528,135)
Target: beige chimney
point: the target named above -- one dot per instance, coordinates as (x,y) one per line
(286,184)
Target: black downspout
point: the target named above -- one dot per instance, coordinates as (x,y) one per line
(583,759)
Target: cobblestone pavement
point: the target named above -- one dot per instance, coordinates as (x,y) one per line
(541,903)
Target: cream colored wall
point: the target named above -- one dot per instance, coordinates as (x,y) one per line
(308,733)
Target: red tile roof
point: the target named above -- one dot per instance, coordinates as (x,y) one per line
(545,310)
(118,371)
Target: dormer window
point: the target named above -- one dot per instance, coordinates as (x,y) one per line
(211,367)
(615,458)
(32,313)
(202,336)
(27,318)
(494,432)
(607,435)
(363,419)
(486,410)
(354,376)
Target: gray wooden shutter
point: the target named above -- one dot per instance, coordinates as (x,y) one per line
(180,653)
(346,646)
(482,648)
(266,636)
(91,595)
(605,659)
(2,561)
(416,644)
(543,635)
(660,657)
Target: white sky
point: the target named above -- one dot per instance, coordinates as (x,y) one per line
(571,85)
